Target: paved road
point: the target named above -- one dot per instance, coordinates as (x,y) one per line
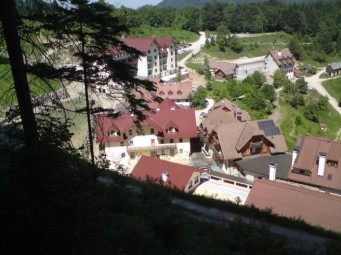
(198,112)
(296,237)
(194,48)
(316,82)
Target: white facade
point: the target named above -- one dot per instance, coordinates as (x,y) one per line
(157,62)
(248,67)
(147,144)
(272,67)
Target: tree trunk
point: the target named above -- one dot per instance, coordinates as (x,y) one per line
(10,31)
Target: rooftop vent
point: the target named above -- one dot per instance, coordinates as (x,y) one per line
(164,176)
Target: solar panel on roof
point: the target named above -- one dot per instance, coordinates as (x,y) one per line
(269,128)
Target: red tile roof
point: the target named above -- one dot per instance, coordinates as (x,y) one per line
(149,167)
(171,90)
(168,114)
(309,149)
(141,44)
(314,207)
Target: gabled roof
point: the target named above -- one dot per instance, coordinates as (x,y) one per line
(164,41)
(234,136)
(282,57)
(180,91)
(314,207)
(149,167)
(141,44)
(309,149)
(335,65)
(223,112)
(169,112)
(226,67)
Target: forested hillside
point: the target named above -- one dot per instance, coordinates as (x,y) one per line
(201,3)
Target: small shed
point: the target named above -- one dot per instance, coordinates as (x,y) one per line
(334,68)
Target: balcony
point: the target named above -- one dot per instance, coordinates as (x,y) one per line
(152,147)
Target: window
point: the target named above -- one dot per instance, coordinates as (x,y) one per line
(131,142)
(123,154)
(154,50)
(112,132)
(132,155)
(180,140)
(163,152)
(196,179)
(171,59)
(155,57)
(329,177)
(149,51)
(172,153)
(130,132)
(171,140)
(152,130)
(181,151)
(121,143)
(162,141)
(155,70)
(190,185)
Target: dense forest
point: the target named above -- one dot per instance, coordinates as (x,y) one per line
(316,26)
(201,3)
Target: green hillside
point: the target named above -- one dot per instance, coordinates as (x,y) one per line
(201,3)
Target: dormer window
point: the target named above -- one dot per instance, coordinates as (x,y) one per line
(172,129)
(179,92)
(112,132)
(170,93)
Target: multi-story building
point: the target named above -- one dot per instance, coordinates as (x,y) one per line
(159,56)
(283,60)
(317,162)
(167,131)
(228,135)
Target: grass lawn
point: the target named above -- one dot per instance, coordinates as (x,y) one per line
(252,46)
(7,91)
(293,124)
(333,86)
(177,35)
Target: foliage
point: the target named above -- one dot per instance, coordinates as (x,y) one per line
(197,100)
(279,79)
(333,86)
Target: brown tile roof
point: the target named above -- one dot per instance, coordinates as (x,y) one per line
(309,149)
(149,167)
(223,112)
(233,136)
(225,67)
(314,207)
(283,57)
(169,113)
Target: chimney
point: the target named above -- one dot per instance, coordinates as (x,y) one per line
(164,176)
(272,172)
(157,108)
(294,157)
(279,55)
(239,116)
(322,163)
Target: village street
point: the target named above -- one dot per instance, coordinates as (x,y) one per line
(297,238)
(315,82)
